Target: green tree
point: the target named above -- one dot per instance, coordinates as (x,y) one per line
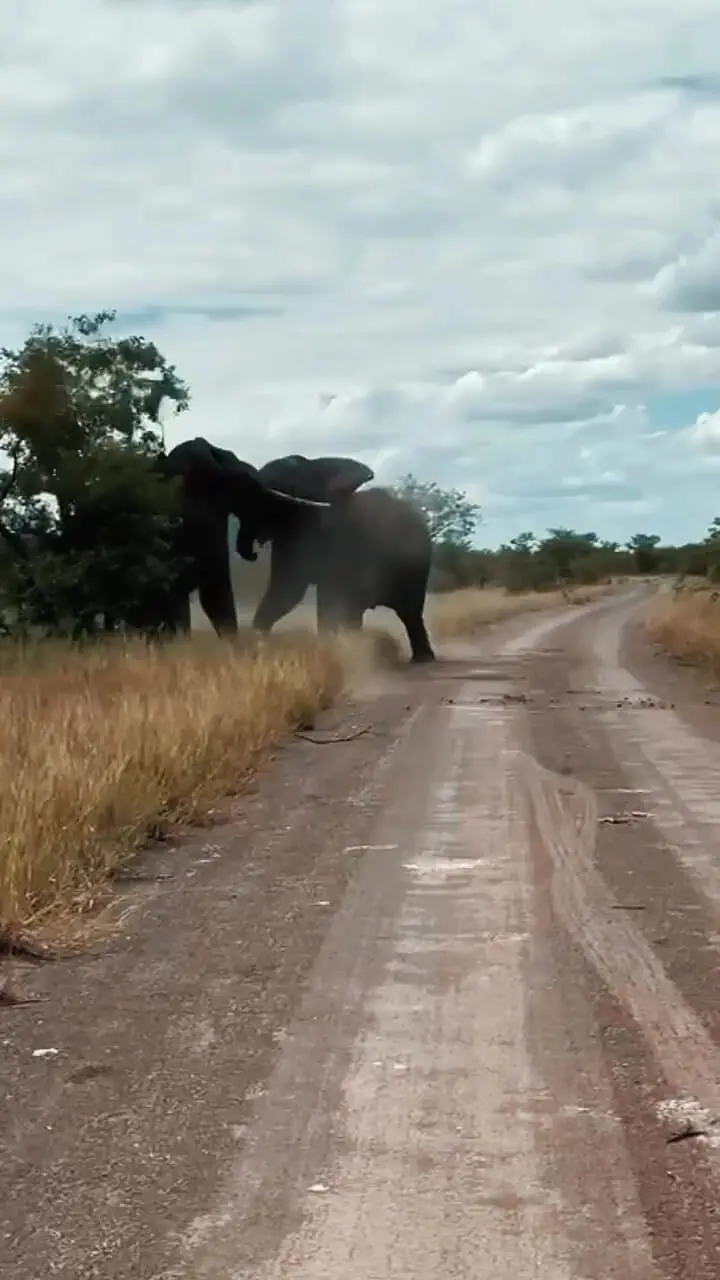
(451,515)
(452,519)
(564,556)
(83,515)
(523,544)
(568,553)
(517,564)
(642,546)
(711,545)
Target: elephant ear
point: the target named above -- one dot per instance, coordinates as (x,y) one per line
(317,479)
(286,475)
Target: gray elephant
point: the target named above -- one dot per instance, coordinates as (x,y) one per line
(360,550)
(213,485)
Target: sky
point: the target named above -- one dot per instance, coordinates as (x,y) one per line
(474,241)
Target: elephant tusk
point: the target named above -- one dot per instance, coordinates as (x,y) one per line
(300,502)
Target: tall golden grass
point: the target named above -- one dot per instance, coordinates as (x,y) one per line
(463,613)
(100,748)
(685,622)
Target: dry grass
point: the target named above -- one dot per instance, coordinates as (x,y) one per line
(99,749)
(685,622)
(463,613)
(102,748)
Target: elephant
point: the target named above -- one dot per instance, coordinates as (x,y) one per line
(214,484)
(360,550)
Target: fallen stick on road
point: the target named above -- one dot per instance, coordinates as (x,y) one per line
(617,819)
(692,1131)
(323,742)
(11,999)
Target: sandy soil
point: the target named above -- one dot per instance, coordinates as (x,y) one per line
(437,1000)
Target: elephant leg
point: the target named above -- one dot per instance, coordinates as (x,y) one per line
(202,560)
(283,593)
(329,612)
(410,614)
(177,619)
(215,594)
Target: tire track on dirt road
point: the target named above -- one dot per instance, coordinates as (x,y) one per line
(637,897)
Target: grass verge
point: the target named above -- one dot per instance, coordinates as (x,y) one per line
(102,748)
(685,622)
(99,749)
(463,613)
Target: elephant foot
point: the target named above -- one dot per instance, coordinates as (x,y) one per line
(425,655)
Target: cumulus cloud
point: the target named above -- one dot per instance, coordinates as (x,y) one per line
(481,246)
(692,281)
(705,431)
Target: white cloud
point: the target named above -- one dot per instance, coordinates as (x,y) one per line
(692,281)
(705,432)
(481,245)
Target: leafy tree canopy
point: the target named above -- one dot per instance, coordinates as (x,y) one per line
(451,515)
(643,547)
(84,518)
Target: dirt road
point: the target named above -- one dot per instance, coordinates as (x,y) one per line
(441,1000)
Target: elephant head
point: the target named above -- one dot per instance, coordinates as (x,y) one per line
(216,477)
(316,483)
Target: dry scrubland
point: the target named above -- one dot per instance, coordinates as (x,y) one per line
(100,749)
(462,613)
(685,622)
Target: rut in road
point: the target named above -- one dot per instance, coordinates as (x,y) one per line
(477,1062)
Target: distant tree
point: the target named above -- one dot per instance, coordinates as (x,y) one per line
(611,559)
(568,553)
(516,563)
(563,556)
(642,546)
(84,519)
(451,515)
(452,519)
(711,548)
(523,543)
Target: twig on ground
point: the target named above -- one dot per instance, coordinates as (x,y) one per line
(11,999)
(323,742)
(691,1131)
(619,819)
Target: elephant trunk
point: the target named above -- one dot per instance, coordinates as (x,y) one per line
(245,543)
